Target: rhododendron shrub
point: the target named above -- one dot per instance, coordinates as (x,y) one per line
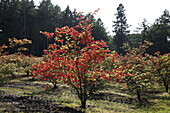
(16,64)
(11,64)
(15,42)
(75,59)
(2,48)
(161,68)
(133,69)
(49,70)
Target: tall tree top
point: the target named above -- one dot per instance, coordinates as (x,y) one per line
(120,25)
(120,29)
(164,19)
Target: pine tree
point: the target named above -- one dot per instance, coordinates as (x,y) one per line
(120,29)
(99,31)
(158,34)
(164,19)
(67,17)
(140,35)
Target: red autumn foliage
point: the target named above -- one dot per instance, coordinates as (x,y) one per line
(75,59)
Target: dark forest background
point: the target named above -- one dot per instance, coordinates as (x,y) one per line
(23,19)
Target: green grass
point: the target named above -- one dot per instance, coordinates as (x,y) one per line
(157,103)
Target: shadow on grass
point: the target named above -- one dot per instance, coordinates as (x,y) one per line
(28,104)
(154,95)
(122,99)
(51,91)
(114,98)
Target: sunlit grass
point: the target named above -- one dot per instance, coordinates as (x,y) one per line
(6,106)
(65,97)
(15,91)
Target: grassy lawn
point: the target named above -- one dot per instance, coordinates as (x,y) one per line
(111,100)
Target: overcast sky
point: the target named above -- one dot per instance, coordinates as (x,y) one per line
(136,10)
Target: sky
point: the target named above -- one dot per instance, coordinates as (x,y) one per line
(136,10)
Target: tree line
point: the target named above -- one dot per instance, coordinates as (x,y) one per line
(158,33)
(23,19)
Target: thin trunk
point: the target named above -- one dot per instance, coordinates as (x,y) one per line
(28,73)
(37,47)
(83,99)
(166,86)
(55,86)
(83,103)
(138,95)
(165,83)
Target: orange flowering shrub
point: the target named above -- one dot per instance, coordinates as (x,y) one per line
(75,59)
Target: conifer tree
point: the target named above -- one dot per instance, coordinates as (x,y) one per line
(99,31)
(158,34)
(120,29)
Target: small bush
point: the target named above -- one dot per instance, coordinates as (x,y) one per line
(14,64)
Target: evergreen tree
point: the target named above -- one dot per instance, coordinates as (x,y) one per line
(45,16)
(143,27)
(48,17)
(120,29)
(158,34)
(4,5)
(28,24)
(67,17)
(99,32)
(140,35)
(23,19)
(164,19)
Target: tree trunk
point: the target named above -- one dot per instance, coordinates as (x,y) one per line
(138,95)
(166,86)
(55,86)
(83,103)
(165,83)
(28,73)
